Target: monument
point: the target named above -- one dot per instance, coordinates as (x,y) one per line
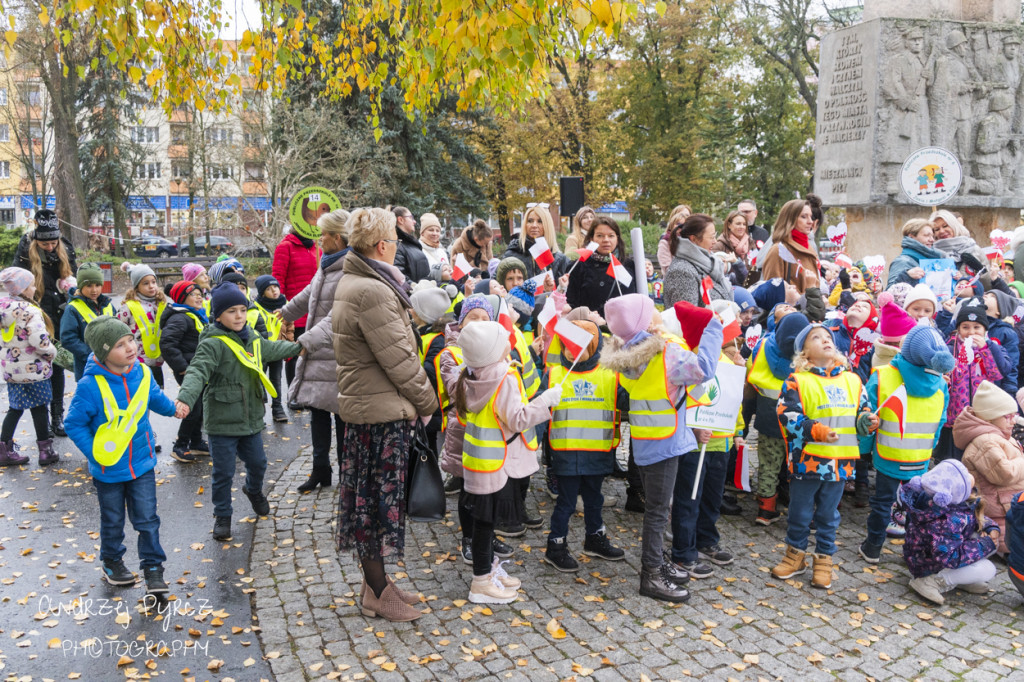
(913,75)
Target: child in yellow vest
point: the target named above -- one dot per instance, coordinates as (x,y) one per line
(499,445)
(822,409)
(88,303)
(269,299)
(144,303)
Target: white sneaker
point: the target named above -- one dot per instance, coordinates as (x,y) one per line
(488,589)
(895,530)
(975,588)
(508,581)
(930,587)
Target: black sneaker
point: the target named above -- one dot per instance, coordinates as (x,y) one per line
(154,576)
(533,522)
(870,552)
(158,448)
(222,528)
(557,554)
(730,508)
(259,502)
(716,555)
(501,549)
(453,486)
(698,570)
(116,573)
(179,453)
(199,448)
(467,551)
(635,501)
(512,530)
(277,412)
(599,546)
(861,495)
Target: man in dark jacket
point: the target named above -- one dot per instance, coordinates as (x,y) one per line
(748,208)
(409,258)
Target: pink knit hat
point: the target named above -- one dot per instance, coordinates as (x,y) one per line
(893,322)
(189,271)
(628,315)
(16,280)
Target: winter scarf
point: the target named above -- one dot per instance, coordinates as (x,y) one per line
(329,259)
(860,346)
(741,245)
(706,264)
(198,312)
(272,304)
(390,274)
(243,333)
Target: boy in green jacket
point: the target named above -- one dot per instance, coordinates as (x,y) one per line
(230,359)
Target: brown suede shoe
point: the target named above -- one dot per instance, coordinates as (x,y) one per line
(389,606)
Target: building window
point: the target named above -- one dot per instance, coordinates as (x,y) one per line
(7,216)
(219,172)
(254,172)
(146,134)
(5,169)
(32,129)
(3,97)
(252,139)
(31,95)
(33,170)
(5,132)
(218,135)
(180,170)
(147,171)
(179,134)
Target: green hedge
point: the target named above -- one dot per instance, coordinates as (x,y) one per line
(9,238)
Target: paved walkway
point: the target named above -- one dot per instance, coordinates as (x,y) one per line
(740,624)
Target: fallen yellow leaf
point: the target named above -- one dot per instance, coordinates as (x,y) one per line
(555,630)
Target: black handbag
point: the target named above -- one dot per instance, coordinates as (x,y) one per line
(424,490)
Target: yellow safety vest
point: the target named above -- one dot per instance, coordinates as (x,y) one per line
(484,446)
(529,336)
(832,402)
(252,316)
(425,344)
(148,331)
(759,375)
(585,418)
(274,325)
(115,435)
(455,301)
(442,390)
(652,416)
(198,322)
(87,313)
(8,332)
(553,358)
(253,362)
(531,377)
(921,422)
(206,306)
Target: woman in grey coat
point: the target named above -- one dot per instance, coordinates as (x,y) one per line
(316,382)
(692,262)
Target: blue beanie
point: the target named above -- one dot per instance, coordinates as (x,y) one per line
(226,296)
(769,294)
(786,332)
(526,293)
(801,338)
(743,299)
(264,281)
(923,347)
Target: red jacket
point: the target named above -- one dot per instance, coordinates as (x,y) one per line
(294,266)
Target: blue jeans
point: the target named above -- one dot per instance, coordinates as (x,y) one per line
(881,507)
(138,496)
(685,510)
(569,488)
(818,500)
(223,450)
(716,465)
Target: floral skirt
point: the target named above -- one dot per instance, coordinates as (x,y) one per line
(27,396)
(371,489)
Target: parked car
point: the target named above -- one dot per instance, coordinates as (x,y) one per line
(217,245)
(251,250)
(152,246)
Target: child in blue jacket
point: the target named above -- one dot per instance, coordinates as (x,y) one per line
(87,304)
(122,462)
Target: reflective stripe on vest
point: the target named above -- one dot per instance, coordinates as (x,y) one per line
(553,358)
(531,377)
(760,376)
(832,402)
(198,322)
(442,390)
(87,313)
(425,344)
(253,362)
(149,330)
(585,418)
(115,435)
(252,316)
(484,445)
(652,416)
(921,423)
(274,325)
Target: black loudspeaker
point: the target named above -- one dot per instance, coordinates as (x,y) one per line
(570,192)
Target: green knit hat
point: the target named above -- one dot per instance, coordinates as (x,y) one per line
(103,333)
(89,273)
(507,265)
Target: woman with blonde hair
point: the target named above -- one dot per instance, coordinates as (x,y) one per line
(580,226)
(676,218)
(50,257)
(536,223)
(918,244)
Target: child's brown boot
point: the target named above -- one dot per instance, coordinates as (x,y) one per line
(822,571)
(794,563)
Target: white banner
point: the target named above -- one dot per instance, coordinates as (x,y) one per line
(724,393)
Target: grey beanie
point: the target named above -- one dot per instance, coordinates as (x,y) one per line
(139,272)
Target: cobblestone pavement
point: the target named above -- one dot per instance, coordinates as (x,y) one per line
(740,624)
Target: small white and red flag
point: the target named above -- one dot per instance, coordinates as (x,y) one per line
(897,403)
(548,316)
(575,339)
(730,325)
(587,252)
(706,285)
(461,267)
(541,253)
(620,272)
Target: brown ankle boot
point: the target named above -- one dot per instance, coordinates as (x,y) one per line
(822,576)
(767,514)
(794,563)
(388,606)
(407,597)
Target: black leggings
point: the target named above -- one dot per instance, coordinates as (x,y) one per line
(190,430)
(158,374)
(57,385)
(483,555)
(273,371)
(40,418)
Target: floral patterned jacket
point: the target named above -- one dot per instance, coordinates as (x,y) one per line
(941,537)
(124,314)
(26,349)
(968,374)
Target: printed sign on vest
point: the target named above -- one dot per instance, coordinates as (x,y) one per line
(721,400)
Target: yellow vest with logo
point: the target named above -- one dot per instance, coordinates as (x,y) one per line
(485,444)
(274,325)
(921,423)
(425,344)
(759,375)
(832,402)
(442,391)
(87,313)
(149,332)
(253,362)
(652,416)
(115,435)
(531,377)
(585,419)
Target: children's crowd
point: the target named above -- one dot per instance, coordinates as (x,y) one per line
(919,388)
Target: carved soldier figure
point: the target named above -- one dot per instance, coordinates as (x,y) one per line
(906,112)
(951,98)
(1006,68)
(991,156)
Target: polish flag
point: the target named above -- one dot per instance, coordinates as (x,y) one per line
(741,479)
(587,252)
(991,252)
(706,285)
(844,260)
(541,253)
(897,402)
(574,339)
(505,320)
(538,281)
(461,267)
(548,316)
(730,325)
(619,272)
